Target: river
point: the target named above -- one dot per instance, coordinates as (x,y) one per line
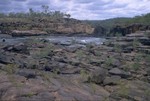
(56,39)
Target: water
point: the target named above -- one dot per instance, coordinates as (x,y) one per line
(64,40)
(79,40)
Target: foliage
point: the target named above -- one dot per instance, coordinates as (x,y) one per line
(135,43)
(31,14)
(10,68)
(109,61)
(109,24)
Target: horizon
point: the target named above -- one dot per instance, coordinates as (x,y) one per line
(82,9)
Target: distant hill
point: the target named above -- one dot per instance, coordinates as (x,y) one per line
(109,24)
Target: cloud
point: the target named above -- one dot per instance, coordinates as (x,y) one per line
(82,9)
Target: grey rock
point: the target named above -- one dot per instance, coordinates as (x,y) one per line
(98,75)
(6,59)
(133,91)
(121,73)
(113,80)
(19,48)
(28,73)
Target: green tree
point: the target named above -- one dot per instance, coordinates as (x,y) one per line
(45,9)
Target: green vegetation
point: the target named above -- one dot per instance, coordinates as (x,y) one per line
(123,91)
(84,75)
(10,68)
(109,23)
(44,20)
(30,94)
(135,44)
(36,14)
(118,49)
(124,22)
(109,61)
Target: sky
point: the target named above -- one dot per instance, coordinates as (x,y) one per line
(82,9)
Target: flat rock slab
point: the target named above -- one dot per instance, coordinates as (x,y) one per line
(119,72)
(113,80)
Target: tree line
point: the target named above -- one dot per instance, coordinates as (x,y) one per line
(32,14)
(122,21)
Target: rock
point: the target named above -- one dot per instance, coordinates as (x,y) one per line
(70,71)
(133,91)
(28,73)
(60,59)
(113,80)
(145,41)
(27,33)
(124,30)
(96,62)
(19,48)
(127,49)
(98,75)
(148,71)
(5,59)
(121,73)
(99,31)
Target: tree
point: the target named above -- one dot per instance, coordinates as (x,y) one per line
(2,15)
(67,15)
(45,9)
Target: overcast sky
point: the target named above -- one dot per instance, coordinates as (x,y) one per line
(82,9)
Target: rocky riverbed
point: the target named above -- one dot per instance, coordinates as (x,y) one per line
(36,69)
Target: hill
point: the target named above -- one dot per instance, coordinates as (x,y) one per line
(140,22)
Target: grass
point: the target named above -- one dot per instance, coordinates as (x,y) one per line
(135,44)
(46,76)
(84,74)
(123,90)
(136,66)
(80,54)
(93,86)
(14,82)
(44,52)
(30,94)
(10,68)
(109,61)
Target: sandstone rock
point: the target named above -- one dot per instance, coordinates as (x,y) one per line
(28,33)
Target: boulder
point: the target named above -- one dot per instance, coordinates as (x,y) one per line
(98,75)
(5,59)
(19,48)
(113,80)
(121,73)
(28,73)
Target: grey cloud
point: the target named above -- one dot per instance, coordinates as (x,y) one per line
(19,0)
(84,1)
(37,3)
(82,9)
(5,2)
